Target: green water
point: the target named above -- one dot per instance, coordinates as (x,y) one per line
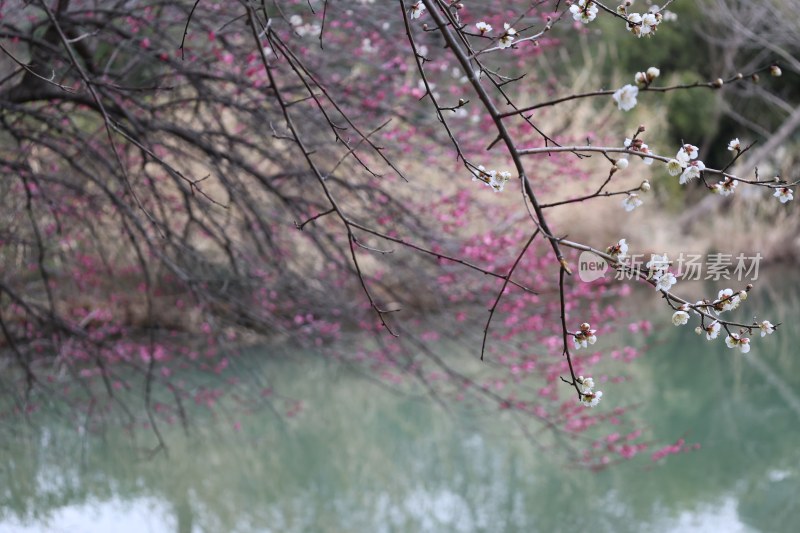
(361,459)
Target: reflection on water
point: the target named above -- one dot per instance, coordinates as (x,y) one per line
(363,459)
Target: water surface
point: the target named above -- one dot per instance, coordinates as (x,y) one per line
(360,458)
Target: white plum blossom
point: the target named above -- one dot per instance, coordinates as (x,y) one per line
(584,11)
(584,337)
(482,174)
(486,176)
(631,202)
(712,331)
(649,23)
(588,396)
(492,178)
(692,171)
(591,399)
(653,73)
(498,180)
(483,27)
(736,341)
(687,153)
(674,167)
(680,317)
(659,271)
(635,23)
(784,194)
(725,187)
(665,281)
(726,301)
(580,341)
(640,78)
(417,10)
(585,384)
(766,327)
(507,39)
(625,97)
(735,145)
(619,251)
(646,24)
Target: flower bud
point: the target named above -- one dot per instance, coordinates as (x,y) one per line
(775,71)
(621,164)
(645,186)
(653,73)
(717,83)
(743,295)
(698,330)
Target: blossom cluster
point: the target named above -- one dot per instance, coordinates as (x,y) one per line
(659,271)
(644,79)
(507,37)
(492,178)
(589,396)
(584,337)
(689,167)
(726,187)
(642,24)
(686,164)
(727,300)
(584,11)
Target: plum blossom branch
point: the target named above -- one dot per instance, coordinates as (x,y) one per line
(503,290)
(714,85)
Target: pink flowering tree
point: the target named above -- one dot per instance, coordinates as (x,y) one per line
(182,179)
